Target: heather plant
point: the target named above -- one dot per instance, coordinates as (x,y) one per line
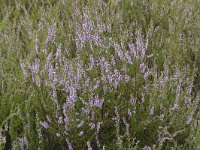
(99,74)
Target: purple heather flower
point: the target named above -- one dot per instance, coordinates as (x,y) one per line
(89,146)
(92,63)
(92,125)
(129,112)
(127,78)
(44,124)
(188,100)
(23,69)
(51,33)
(36,45)
(142,67)
(80,124)
(96,102)
(146,74)
(110,79)
(22,143)
(35,66)
(69,145)
(66,120)
(118,51)
(85,110)
(146,148)
(113,60)
(128,57)
(58,53)
(162,116)
(48,61)
(116,73)
(106,66)
(133,51)
(124,68)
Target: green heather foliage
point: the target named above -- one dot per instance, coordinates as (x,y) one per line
(99,74)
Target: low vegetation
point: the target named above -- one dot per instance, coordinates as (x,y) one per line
(99,74)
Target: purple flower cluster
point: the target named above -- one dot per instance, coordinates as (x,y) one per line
(101,66)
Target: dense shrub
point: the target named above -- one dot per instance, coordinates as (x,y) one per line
(99,74)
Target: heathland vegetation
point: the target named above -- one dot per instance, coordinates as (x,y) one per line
(99,74)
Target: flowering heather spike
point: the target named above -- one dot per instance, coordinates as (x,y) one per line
(44,124)
(129,113)
(80,124)
(110,78)
(124,69)
(23,69)
(92,125)
(146,148)
(118,51)
(127,78)
(58,53)
(38,81)
(36,45)
(146,41)
(133,51)
(142,67)
(22,143)
(162,116)
(69,145)
(66,121)
(89,146)
(72,96)
(51,33)
(128,58)
(35,66)
(92,63)
(48,61)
